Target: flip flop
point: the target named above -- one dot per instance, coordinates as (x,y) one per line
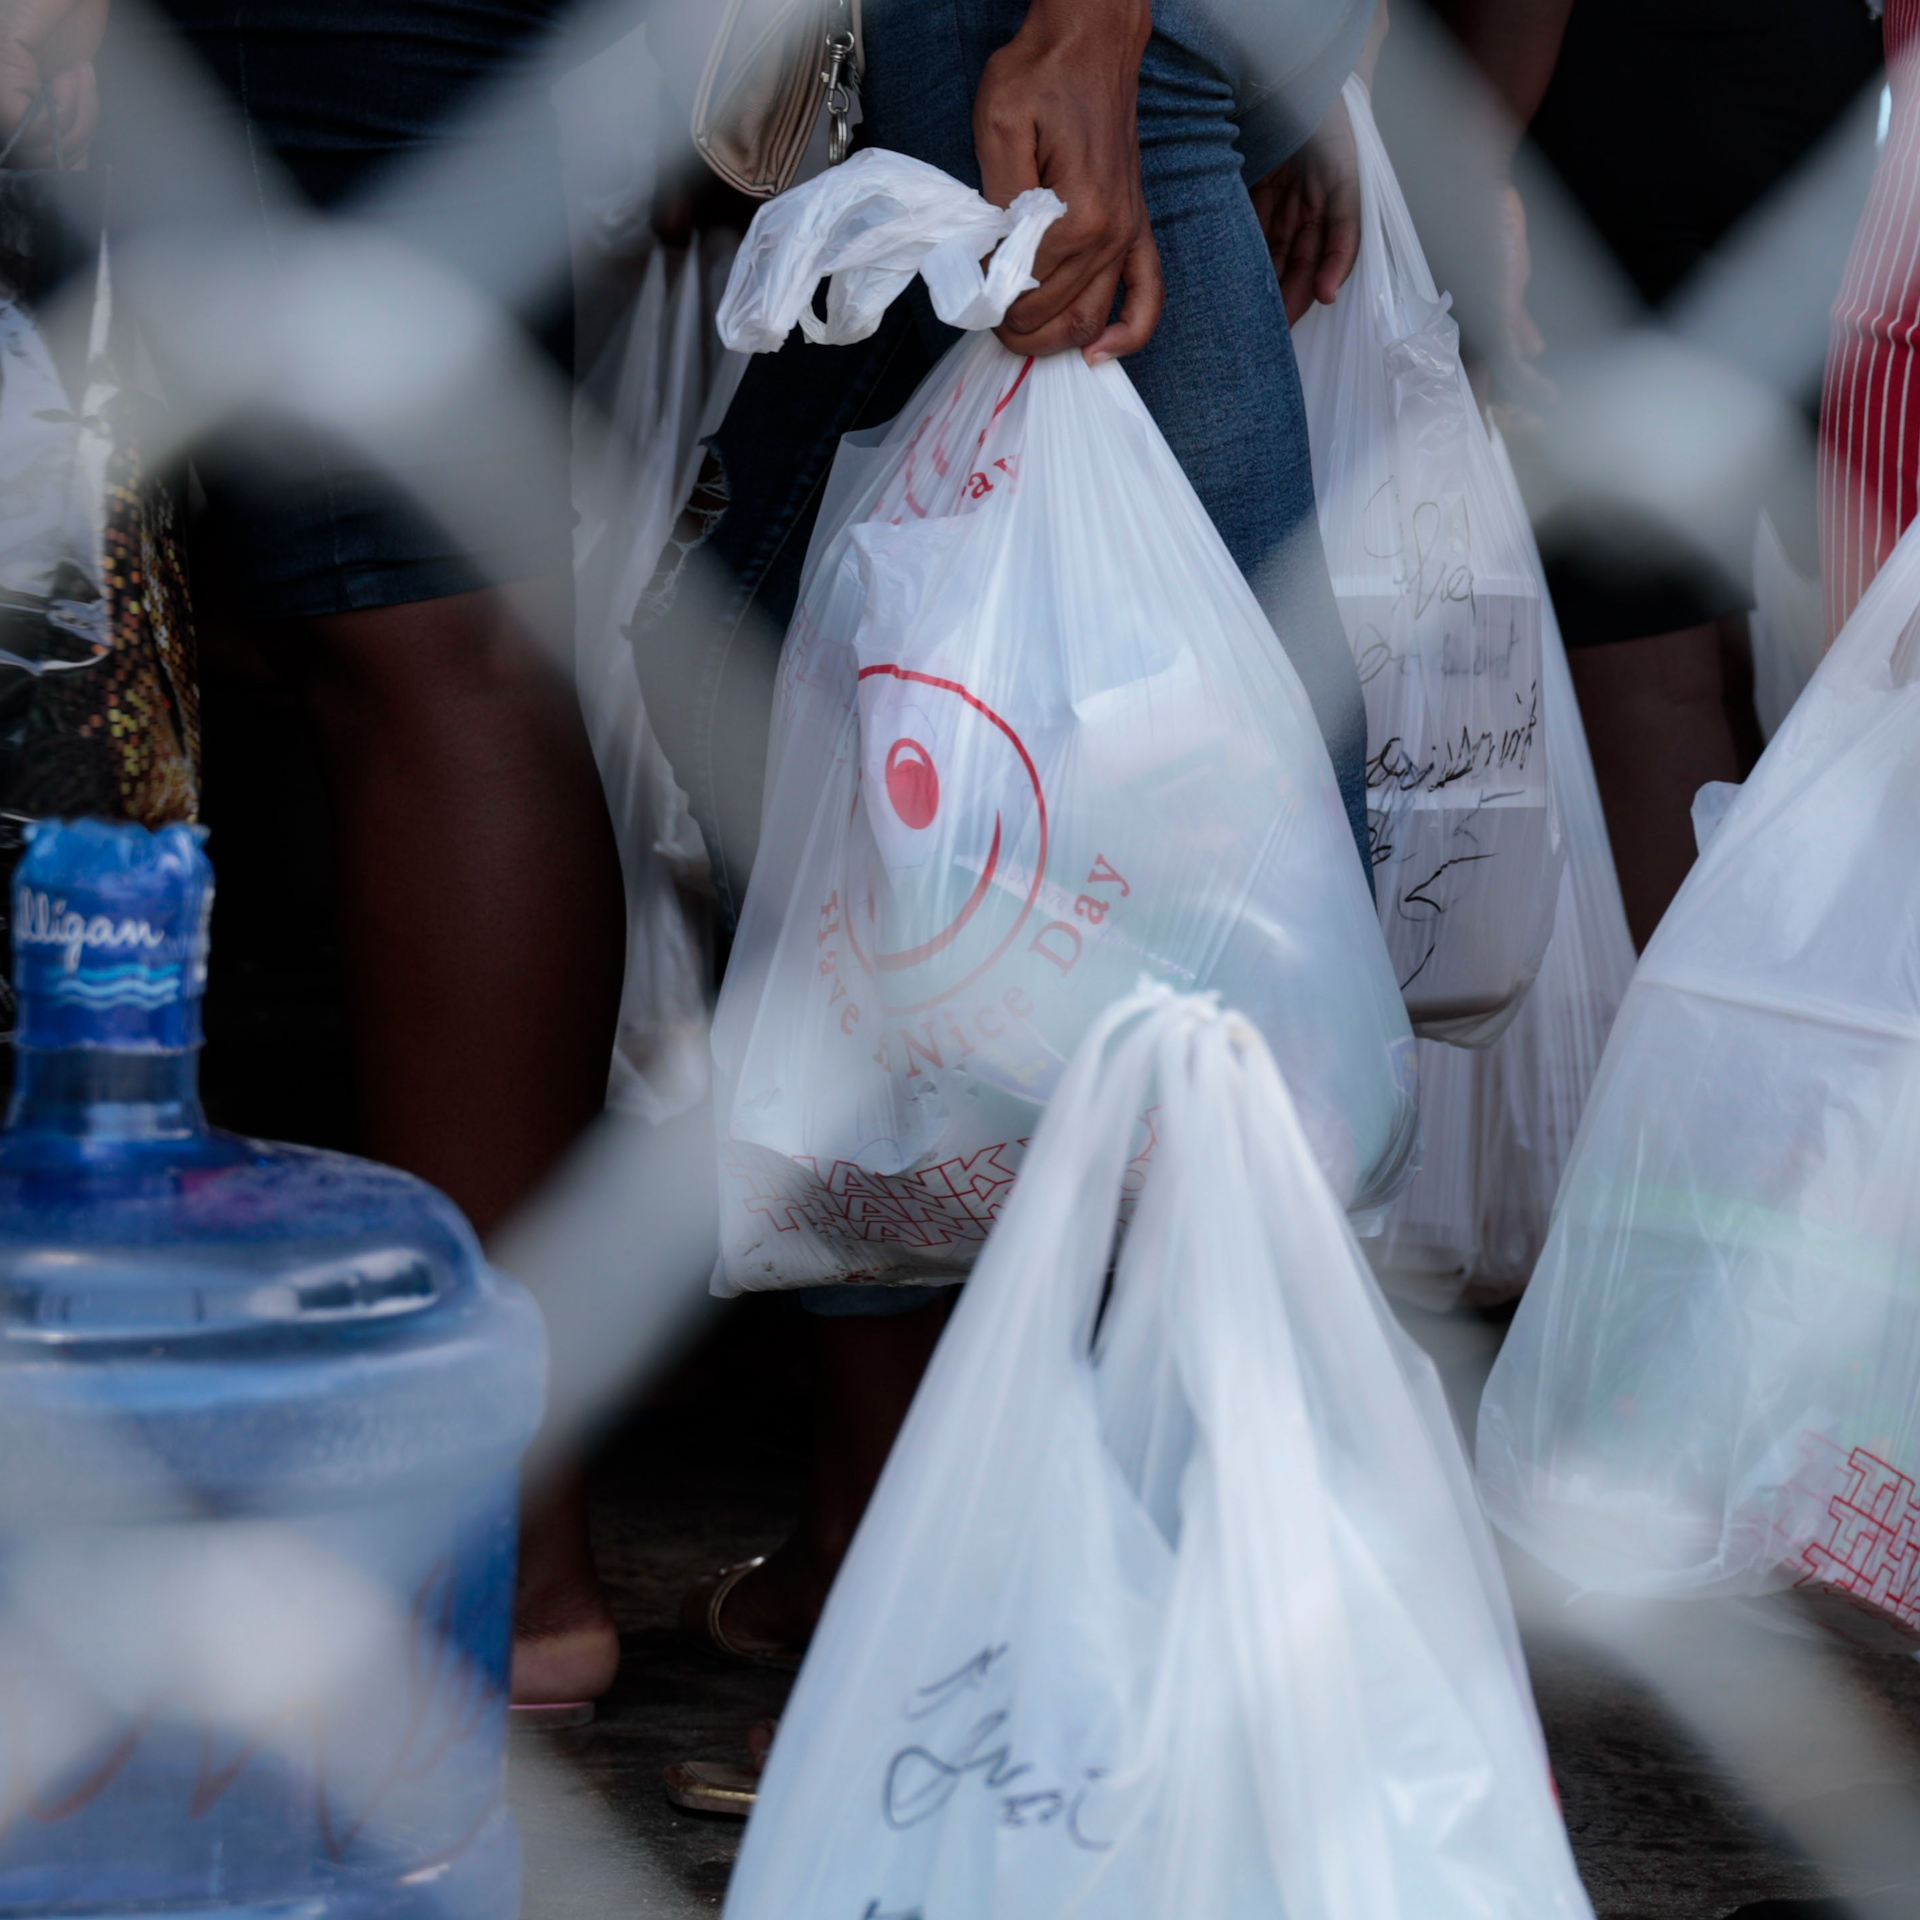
(554,1713)
(712,1786)
(700,1620)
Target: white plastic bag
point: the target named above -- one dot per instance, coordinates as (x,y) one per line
(661,383)
(1441,596)
(1032,735)
(53,466)
(1192,1615)
(1498,1123)
(873,223)
(1713,1384)
(1788,628)
(1710,805)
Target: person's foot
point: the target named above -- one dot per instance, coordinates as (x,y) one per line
(723,1786)
(556,1663)
(566,1648)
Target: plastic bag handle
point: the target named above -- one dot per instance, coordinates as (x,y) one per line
(869,226)
(1386,227)
(1228,1129)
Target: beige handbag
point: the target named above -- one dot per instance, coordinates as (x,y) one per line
(771,69)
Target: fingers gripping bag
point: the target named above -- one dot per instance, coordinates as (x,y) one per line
(1712,1385)
(1032,737)
(1178,1604)
(1441,594)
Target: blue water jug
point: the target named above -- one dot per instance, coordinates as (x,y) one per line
(261,1416)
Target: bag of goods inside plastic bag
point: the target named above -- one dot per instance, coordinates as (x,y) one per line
(1498,1123)
(1032,737)
(1712,1385)
(1173,1599)
(1441,595)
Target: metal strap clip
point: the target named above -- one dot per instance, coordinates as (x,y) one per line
(840,75)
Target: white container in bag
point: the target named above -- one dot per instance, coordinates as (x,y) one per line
(1178,1607)
(1032,737)
(1713,1383)
(1499,1122)
(1440,592)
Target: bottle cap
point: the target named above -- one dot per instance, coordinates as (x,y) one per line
(110,936)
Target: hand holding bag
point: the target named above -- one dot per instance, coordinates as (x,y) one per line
(1032,736)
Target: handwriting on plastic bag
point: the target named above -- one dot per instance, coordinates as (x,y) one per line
(925,1776)
(1468,755)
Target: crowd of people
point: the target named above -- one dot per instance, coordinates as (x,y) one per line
(1207,165)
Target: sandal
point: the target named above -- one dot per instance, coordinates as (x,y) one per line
(712,1786)
(550,1713)
(700,1619)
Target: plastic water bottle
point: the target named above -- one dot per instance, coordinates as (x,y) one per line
(261,1415)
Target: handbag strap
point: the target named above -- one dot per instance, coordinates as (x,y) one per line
(840,76)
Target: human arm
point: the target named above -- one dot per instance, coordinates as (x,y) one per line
(1309,205)
(50,44)
(1056,108)
(1309,210)
(1514,46)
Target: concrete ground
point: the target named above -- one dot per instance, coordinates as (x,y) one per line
(709,1470)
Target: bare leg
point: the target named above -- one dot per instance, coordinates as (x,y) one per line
(1660,724)
(485,928)
(564,1644)
(865,1373)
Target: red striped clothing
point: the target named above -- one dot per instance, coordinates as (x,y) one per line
(1870,406)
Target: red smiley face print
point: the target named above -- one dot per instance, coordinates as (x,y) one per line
(958,845)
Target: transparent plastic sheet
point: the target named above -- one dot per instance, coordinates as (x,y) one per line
(661,383)
(99,676)
(1032,736)
(1788,628)
(1441,594)
(1197,1618)
(1713,1383)
(1498,1123)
